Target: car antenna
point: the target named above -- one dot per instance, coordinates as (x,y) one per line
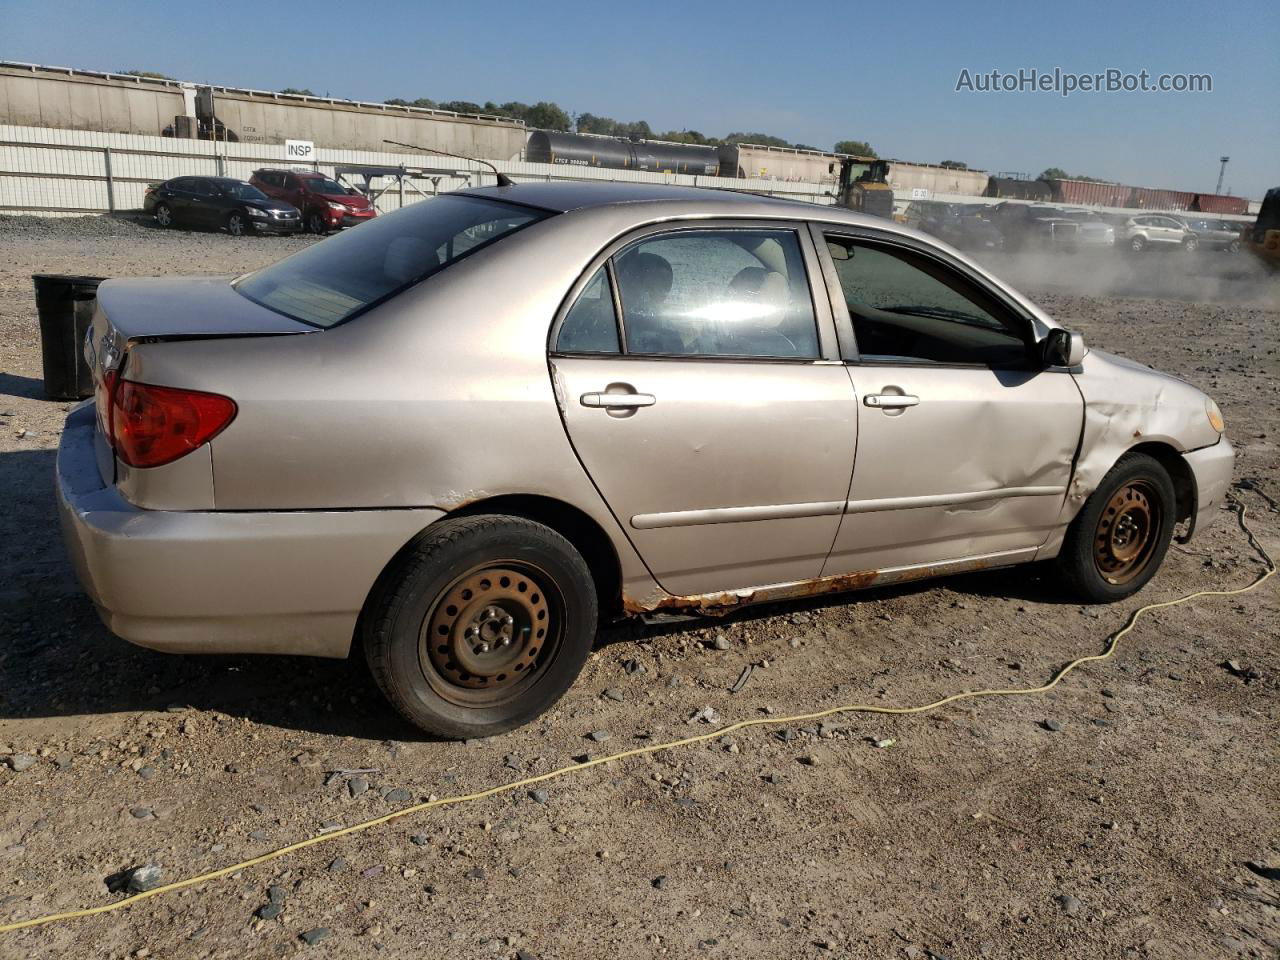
(503,179)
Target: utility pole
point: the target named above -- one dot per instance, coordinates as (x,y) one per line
(1222,172)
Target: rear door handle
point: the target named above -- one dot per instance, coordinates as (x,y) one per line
(888,401)
(629,401)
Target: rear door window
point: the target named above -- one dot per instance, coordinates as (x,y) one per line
(591,325)
(333,281)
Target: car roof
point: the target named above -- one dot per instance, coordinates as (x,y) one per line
(567,196)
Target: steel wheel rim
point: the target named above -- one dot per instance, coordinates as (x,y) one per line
(162,216)
(235,225)
(490,633)
(1128,532)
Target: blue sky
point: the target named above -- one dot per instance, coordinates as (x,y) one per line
(885,73)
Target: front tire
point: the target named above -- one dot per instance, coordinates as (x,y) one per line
(480,625)
(163,215)
(237,224)
(1120,537)
(317,224)
(1191,244)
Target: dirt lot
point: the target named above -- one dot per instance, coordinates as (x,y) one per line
(1114,817)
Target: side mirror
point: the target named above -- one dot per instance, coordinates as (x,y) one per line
(1063,348)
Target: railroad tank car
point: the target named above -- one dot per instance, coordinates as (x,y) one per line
(620,153)
(1090,192)
(906,177)
(60,97)
(1016,188)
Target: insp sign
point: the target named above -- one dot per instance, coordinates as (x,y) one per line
(303,150)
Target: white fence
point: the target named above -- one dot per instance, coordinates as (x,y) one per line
(66,172)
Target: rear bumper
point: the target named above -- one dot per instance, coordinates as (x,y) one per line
(210,582)
(1212,468)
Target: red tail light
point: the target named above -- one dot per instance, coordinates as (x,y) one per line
(151,426)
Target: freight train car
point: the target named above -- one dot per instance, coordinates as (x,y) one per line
(1090,193)
(906,177)
(1017,188)
(1145,198)
(621,153)
(35,96)
(1220,203)
(755,161)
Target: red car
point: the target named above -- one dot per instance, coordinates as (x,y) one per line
(325,204)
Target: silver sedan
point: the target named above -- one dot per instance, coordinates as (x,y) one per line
(463,435)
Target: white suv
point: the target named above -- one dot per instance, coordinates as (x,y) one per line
(1156,231)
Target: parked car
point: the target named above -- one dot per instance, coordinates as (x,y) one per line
(1094,232)
(1033,226)
(962,228)
(460,437)
(1214,234)
(325,204)
(1155,232)
(218,203)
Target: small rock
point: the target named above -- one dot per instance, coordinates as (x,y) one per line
(884,744)
(706,714)
(269,911)
(786,734)
(721,642)
(539,796)
(632,666)
(372,873)
(314,936)
(1053,726)
(337,865)
(141,813)
(146,773)
(420,839)
(772,778)
(614,694)
(598,736)
(142,879)
(809,761)
(398,796)
(659,883)
(276,893)
(1070,905)
(476,873)
(1108,693)
(357,786)
(261,835)
(525,955)
(21,761)
(511,761)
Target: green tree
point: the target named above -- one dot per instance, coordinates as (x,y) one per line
(954,165)
(148,74)
(299,91)
(859,148)
(547,116)
(590,123)
(461,106)
(1054,173)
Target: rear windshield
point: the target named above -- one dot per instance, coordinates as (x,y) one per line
(333,280)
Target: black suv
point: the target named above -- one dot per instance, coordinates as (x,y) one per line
(217,203)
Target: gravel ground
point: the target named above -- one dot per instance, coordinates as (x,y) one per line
(1117,816)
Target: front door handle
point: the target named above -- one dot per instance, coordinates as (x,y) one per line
(629,401)
(890,401)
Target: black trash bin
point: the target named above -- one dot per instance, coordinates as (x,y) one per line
(65,305)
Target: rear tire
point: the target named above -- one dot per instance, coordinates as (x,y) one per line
(1120,537)
(163,215)
(1138,244)
(480,625)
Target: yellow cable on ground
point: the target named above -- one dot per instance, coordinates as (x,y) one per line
(655,748)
